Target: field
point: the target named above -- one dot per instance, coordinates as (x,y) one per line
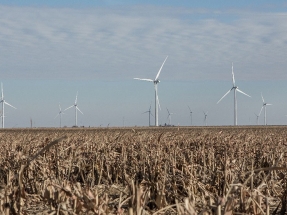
(200,170)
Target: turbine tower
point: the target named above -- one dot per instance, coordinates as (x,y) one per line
(149,113)
(76,109)
(155,82)
(205,117)
(3,105)
(190,112)
(169,117)
(234,88)
(60,114)
(264,106)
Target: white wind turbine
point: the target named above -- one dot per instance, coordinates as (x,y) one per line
(149,114)
(60,114)
(3,104)
(205,117)
(264,106)
(234,88)
(155,82)
(169,117)
(190,112)
(76,109)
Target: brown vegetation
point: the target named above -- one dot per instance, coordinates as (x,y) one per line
(144,171)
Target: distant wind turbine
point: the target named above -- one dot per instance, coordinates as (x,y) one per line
(234,88)
(264,106)
(205,117)
(76,109)
(257,117)
(155,82)
(169,116)
(190,112)
(60,114)
(3,104)
(149,114)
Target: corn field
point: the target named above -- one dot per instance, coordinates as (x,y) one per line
(207,170)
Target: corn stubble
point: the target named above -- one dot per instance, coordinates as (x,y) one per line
(144,171)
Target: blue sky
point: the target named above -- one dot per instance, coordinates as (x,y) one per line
(52,49)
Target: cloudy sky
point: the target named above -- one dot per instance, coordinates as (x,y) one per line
(50,50)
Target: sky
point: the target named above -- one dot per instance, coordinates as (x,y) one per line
(52,50)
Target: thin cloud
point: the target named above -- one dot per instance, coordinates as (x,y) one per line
(121,43)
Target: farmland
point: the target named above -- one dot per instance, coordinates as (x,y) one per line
(207,170)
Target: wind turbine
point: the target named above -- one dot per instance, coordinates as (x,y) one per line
(3,104)
(76,109)
(169,116)
(264,106)
(60,114)
(149,113)
(234,88)
(257,117)
(155,82)
(190,112)
(205,117)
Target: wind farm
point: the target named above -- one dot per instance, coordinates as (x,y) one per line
(187,117)
(191,114)
(143,107)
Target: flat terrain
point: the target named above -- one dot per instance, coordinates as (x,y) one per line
(176,170)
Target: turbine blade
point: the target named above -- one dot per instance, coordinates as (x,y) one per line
(9,105)
(189,108)
(144,79)
(261,110)
(160,69)
(268,104)
(233,79)
(224,95)
(262,97)
(2,94)
(56,116)
(79,110)
(76,98)
(69,107)
(243,92)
